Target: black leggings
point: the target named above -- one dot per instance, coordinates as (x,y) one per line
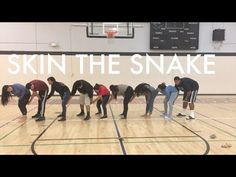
(23,102)
(128,95)
(103,102)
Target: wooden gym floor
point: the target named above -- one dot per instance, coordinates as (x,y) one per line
(136,135)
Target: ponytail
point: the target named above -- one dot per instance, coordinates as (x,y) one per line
(5,95)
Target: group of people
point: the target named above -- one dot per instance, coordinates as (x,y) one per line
(38,88)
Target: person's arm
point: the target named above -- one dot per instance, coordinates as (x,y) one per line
(52,92)
(176,97)
(188,93)
(134,95)
(98,98)
(74,88)
(32,96)
(110,99)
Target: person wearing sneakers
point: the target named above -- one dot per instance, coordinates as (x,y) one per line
(150,94)
(171,94)
(190,88)
(21,92)
(86,96)
(122,90)
(39,89)
(64,92)
(102,99)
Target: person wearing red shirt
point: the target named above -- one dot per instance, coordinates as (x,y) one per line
(39,89)
(102,99)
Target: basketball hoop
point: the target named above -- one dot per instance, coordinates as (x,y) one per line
(111,33)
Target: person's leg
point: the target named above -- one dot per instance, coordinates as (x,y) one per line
(64,102)
(191,103)
(87,103)
(39,108)
(104,105)
(185,105)
(127,98)
(170,104)
(81,102)
(43,98)
(165,106)
(151,102)
(99,102)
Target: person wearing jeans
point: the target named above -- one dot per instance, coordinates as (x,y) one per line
(64,92)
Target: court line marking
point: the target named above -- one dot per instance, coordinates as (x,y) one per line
(204,140)
(212,125)
(15,118)
(118,133)
(33,143)
(155,141)
(6,135)
(127,137)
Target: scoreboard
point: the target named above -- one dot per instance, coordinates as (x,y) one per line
(174,35)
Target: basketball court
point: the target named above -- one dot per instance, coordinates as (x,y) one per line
(212,132)
(135,135)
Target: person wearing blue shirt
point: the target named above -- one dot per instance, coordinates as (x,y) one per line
(171,94)
(21,92)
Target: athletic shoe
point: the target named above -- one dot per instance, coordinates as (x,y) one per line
(60,115)
(87,117)
(190,118)
(103,117)
(181,115)
(62,119)
(123,117)
(80,114)
(36,116)
(40,119)
(163,115)
(97,113)
(167,118)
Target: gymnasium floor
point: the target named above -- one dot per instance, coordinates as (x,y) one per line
(136,135)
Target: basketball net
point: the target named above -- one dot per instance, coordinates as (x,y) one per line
(111,33)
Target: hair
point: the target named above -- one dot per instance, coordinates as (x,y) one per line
(114,89)
(140,89)
(51,79)
(96,86)
(162,86)
(28,85)
(177,78)
(5,95)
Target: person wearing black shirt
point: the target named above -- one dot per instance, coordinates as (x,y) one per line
(64,92)
(190,88)
(86,96)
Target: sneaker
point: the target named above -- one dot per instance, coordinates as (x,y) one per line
(36,116)
(190,118)
(87,117)
(40,119)
(103,117)
(97,113)
(80,114)
(181,115)
(62,119)
(167,118)
(123,117)
(163,115)
(60,115)
(121,114)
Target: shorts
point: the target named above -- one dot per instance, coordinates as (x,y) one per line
(84,99)
(192,98)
